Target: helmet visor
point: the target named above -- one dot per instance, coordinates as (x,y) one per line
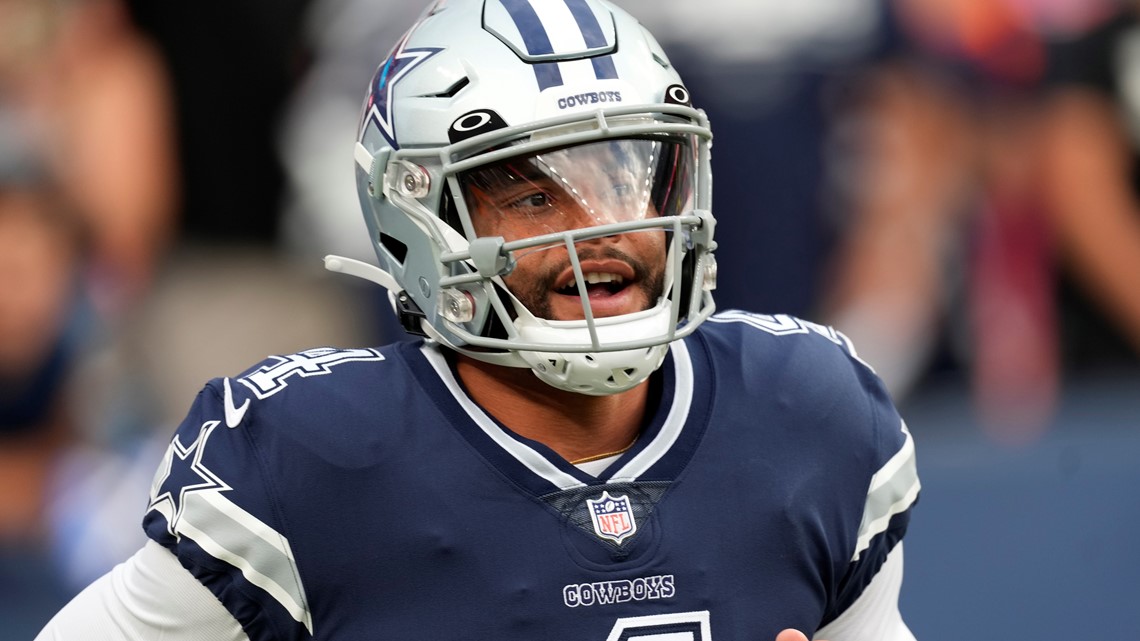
(570,188)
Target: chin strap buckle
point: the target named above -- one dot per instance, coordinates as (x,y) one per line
(410,314)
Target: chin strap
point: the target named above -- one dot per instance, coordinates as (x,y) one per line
(410,315)
(361,269)
(590,374)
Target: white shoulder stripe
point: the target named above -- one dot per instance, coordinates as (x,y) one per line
(892,490)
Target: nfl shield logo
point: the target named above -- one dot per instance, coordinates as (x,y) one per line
(612,517)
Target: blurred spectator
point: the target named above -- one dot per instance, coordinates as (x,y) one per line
(948,259)
(54,409)
(93,95)
(39,259)
(1092,185)
(125,253)
(88,183)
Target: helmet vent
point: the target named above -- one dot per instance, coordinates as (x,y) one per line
(451,91)
(621,376)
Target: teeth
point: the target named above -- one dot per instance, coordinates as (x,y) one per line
(594,278)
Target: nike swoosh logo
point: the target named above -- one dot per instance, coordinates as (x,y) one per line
(233,414)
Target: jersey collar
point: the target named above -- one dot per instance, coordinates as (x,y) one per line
(663,448)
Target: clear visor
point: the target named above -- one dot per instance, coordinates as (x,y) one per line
(598,183)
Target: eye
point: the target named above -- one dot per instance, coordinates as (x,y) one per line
(531,201)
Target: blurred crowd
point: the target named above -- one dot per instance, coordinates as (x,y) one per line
(952,183)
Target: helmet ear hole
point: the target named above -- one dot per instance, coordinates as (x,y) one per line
(397,249)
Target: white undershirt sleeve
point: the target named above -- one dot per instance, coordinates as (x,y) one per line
(148,597)
(875,615)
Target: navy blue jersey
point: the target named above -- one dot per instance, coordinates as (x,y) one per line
(360,494)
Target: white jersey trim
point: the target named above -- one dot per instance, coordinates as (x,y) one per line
(525,455)
(539,464)
(674,422)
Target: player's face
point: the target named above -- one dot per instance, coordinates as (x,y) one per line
(576,188)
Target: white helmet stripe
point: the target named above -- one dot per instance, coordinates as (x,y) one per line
(559,25)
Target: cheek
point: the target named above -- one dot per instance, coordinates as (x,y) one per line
(651,246)
(484,225)
(492,224)
(530,266)
(527,270)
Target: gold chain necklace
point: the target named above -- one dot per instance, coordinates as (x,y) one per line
(598,457)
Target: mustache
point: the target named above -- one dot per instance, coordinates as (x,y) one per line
(549,275)
(535,297)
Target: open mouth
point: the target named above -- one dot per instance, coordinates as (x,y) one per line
(597,284)
(613,286)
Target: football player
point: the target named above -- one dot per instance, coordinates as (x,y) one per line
(577,448)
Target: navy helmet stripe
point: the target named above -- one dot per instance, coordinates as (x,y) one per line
(604,68)
(548,75)
(529,26)
(587,22)
(536,39)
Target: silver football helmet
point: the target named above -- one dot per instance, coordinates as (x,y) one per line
(536,184)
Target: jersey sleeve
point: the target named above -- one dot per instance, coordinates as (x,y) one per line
(214,506)
(892,490)
(858,456)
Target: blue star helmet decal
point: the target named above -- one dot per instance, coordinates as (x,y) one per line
(399,63)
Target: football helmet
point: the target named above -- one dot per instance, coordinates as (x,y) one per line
(537,188)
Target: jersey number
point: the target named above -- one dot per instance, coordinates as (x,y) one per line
(274,377)
(679,626)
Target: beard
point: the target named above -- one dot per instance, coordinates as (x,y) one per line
(535,295)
